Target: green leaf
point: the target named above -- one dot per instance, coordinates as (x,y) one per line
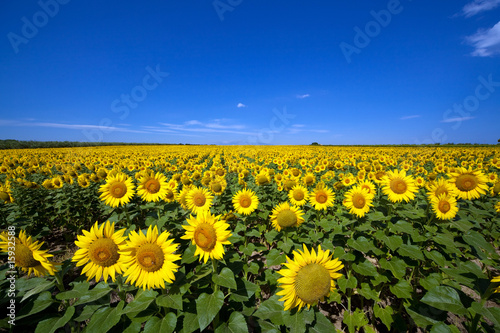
(475,239)
(166,324)
(395,265)
(344,283)
(188,255)
(271,309)
(362,244)
(420,319)
(401,226)
(268,327)
(441,328)
(236,324)
(436,257)
(43,301)
(244,290)
(384,314)
(79,290)
(38,289)
(365,268)
(225,278)
(105,318)
(172,301)
(411,251)
(140,302)
(491,313)
(88,311)
(402,289)
(430,281)
(271,236)
(100,290)
(355,320)
(190,323)
(322,324)
(444,298)
(275,257)
(207,306)
(368,292)
(295,321)
(134,327)
(52,324)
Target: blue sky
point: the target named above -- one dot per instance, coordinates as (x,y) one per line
(251,72)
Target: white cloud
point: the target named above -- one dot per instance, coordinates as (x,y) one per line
(214,126)
(410,117)
(241,105)
(303,96)
(478,6)
(68,126)
(452,120)
(486,42)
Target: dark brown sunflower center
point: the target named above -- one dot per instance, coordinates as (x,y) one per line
(216,187)
(104,252)
(398,186)
(118,190)
(24,256)
(358,200)
(321,197)
(312,283)
(220,172)
(309,180)
(205,236)
(298,195)
(169,194)
(152,186)
(245,202)
(286,218)
(150,257)
(444,206)
(199,199)
(466,182)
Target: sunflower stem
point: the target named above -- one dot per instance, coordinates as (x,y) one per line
(214,272)
(121,291)
(128,216)
(59,282)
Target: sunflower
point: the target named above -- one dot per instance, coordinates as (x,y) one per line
(152,187)
(495,189)
(440,186)
(118,190)
(181,198)
(245,201)
(309,179)
(298,195)
(398,186)
(199,199)
(284,215)
(83,180)
(497,207)
(308,278)
(445,206)
(470,184)
(170,194)
(496,280)
(57,182)
(99,252)
(27,254)
(369,186)
(322,198)
(358,200)
(208,232)
(150,258)
(218,185)
(262,178)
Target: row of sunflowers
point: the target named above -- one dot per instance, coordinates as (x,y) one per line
(347,239)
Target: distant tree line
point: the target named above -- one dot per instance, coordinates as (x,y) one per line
(16,144)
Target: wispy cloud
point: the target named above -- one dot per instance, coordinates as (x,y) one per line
(303,96)
(67,126)
(301,128)
(213,126)
(486,42)
(453,120)
(410,117)
(478,6)
(241,105)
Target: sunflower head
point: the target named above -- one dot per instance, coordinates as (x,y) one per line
(150,258)
(322,198)
(298,195)
(284,216)
(308,278)
(208,232)
(118,190)
(469,184)
(245,201)
(28,255)
(398,186)
(199,199)
(444,206)
(99,251)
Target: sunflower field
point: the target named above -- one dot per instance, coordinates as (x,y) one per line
(250,239)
